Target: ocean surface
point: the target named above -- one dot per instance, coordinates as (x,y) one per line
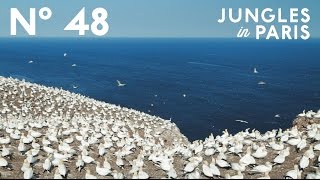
(203,85)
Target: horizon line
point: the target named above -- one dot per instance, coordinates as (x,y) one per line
(147,37)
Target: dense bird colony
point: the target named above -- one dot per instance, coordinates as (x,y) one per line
(51,133)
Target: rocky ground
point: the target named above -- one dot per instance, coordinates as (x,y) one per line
(23,105)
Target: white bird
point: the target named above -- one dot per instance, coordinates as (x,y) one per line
(277,147)
(30,158)
(87,159)
(206,169)
(303,114)
(198,148)
(261,152)
(28,173)
(48,150)
(209,152)
(5,151)
(295,173)
(65,54)
(262,83)
(222,163)
(194,175)
(294,141)
(242,121)
(79,163)
(214,169)
(30,62)
(303,143)
(263,168)
(286,151)
(45,142)
(119,161)
(25,165)
(310,153)
(304,162)
(238,166)
(247,159)
(142,174)
(47,163)
(255,71)
(74,65)
(57,174)
(117,175)
(3,162)
(106,164)
(102,171)
(5,140)
(62,168)
(280,158)
(120,84)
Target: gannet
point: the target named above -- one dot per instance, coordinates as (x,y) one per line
(142,174)
(242,121)
(102,171)
(62,168)
(5,140)
(5,151)
(222,163)
(117,175)
(248,159)
(3,162)
(214,169)
(303,114)
(28,173)
(295,173)
(30,158)
(120,84)
(79,163)
(206,169)
(303,143)
(261,152)
(47,163)
(57,174)
(275,146)
(262,83)
(87,159)
(194,175)
(304,162)
(263,168)
(238,166)
(280,158)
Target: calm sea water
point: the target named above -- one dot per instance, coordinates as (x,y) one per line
(216,75)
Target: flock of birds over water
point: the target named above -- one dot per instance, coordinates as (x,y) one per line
(47,132)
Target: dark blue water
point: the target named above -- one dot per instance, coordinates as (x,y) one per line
(216,75)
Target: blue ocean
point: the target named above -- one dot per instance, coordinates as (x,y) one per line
(203,85)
